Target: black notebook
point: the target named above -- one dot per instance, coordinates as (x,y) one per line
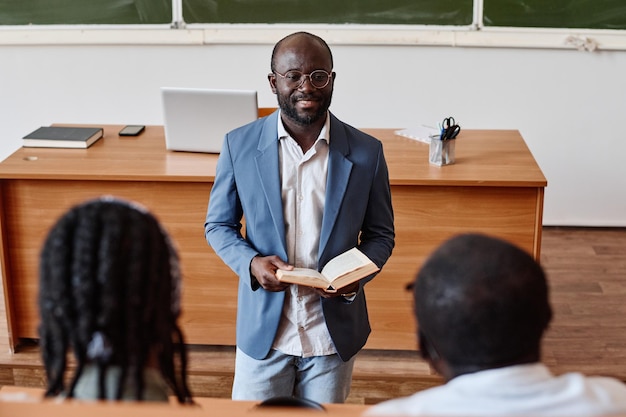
(62,137)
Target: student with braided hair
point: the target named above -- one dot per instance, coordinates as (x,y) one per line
(109,292)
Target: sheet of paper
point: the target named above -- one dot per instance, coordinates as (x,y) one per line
(420,133)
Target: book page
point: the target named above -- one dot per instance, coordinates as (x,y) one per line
(344,263)
(303,276)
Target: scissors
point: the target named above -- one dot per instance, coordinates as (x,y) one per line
(449,129)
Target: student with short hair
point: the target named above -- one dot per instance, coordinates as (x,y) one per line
(482,307)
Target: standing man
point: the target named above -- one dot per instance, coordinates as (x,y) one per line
(310,187)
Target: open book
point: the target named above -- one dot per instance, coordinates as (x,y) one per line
(340,271)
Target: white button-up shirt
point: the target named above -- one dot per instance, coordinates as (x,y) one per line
(302,330)
(522,390)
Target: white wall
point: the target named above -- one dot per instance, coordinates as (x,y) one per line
(569,105)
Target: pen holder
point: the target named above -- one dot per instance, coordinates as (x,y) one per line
(441,152)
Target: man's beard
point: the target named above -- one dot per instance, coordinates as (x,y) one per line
(287,106)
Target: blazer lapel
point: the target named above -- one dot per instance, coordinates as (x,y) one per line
(267,166)
(339,168)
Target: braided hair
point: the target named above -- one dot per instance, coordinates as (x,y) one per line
(109,291)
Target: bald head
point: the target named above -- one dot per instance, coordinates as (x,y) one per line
(299,39)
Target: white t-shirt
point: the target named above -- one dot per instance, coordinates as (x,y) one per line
(522,390)
(155,387)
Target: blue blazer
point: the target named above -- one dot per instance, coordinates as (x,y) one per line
(358,212)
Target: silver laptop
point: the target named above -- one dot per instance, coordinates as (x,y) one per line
(197,119)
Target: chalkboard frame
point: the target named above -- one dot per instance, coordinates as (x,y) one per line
(177,31)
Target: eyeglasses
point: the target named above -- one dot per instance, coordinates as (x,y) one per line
(294,79)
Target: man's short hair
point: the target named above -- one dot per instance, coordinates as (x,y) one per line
(481,301)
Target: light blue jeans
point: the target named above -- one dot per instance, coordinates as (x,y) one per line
(325,379)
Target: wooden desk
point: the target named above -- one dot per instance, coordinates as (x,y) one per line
(495,187)
(212,407)
(27,402)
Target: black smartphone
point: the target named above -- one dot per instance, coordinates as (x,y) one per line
(132,130)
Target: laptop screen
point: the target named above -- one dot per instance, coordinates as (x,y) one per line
(196,119)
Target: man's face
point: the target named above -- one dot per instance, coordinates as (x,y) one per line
(306,104)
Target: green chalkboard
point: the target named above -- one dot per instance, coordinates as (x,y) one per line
(405,12)
(78,12)
(575,14)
